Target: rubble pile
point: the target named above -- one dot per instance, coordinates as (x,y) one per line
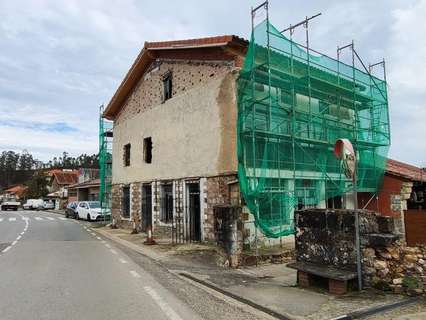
(396,267)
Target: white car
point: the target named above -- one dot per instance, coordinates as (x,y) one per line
(33,204)
(90,210)
(48,205)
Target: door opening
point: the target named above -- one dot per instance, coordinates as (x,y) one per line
(193,211)
(146,207)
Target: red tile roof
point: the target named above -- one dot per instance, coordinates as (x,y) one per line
(405,170)
(65,177)
(228,48)
(86,184)
(19,190)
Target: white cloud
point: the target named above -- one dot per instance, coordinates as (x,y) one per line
(61,59)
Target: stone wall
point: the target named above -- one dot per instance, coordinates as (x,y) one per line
(395,267)
(135,205)
(218,192)
(327,237)
(214,191)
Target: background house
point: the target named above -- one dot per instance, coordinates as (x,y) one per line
(59,180)
(16,193)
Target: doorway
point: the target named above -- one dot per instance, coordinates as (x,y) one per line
(193,211)
(146,207)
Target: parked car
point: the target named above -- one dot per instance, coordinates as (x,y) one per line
(70,210)
(10,205)
(33,204)
(91,210)
(48,205)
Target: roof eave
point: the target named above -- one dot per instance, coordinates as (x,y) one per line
(147,55)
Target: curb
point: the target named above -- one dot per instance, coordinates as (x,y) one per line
(146,251)
(376,310)
(138,248)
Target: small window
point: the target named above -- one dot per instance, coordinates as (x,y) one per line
(147,150)
(126,202)
(126,157)
(167,85)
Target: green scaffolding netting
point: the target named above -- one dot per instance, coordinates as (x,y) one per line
(105,163)
(292,107)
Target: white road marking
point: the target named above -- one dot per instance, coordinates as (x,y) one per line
(93,234)
(99,238)
(50,218)
(12,219)
(1,219)
(122,260)
(38,218)
(25,218)
(103,241)
(14,242)
(22,233)
(6,249)
(113,251)
(62,218)
(19,238)
(135,274)
(170,313)
(108,246)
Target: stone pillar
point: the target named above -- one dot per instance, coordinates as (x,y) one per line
(135,206)
(155,203)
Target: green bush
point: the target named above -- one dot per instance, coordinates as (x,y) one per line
(410,282)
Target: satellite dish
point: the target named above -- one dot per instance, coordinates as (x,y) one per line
(344,151)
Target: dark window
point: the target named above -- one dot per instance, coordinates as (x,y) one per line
(126,156)
(166,210)
(167,85)
(126,202)
(147,150)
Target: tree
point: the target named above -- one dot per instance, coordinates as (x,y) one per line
(37,186)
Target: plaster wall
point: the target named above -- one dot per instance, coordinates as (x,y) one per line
(193,134)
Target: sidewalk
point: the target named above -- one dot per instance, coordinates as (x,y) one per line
(272,286)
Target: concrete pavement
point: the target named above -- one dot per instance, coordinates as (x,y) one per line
(57,269)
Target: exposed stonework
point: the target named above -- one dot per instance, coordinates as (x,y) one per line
(396,267)
(186,75)
(218,193)
(116,203)
(135,205)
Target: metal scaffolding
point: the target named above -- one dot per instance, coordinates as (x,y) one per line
(105,162)
(293,104)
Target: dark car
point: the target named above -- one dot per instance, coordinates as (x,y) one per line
(70,210)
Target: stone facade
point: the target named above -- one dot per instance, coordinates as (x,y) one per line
(213,191)
(186,75)
(218,193)
(327,237)
(396,267)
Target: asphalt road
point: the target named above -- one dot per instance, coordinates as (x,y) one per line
(56,268)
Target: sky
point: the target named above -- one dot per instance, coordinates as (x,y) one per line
(61,60)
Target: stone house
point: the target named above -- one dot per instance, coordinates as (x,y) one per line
(174,148)
(402,197)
